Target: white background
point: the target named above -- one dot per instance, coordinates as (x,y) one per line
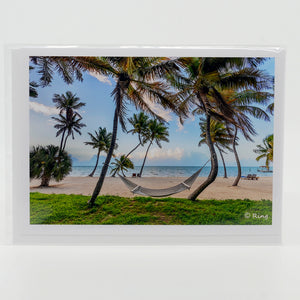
(227,272)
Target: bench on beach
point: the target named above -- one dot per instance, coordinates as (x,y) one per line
(251,177)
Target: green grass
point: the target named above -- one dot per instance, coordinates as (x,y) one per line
(73,209)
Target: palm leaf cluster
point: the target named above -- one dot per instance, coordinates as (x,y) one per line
(265,150)
(49,163)
(101,141)
(69,120)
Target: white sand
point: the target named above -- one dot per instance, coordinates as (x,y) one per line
(220,189)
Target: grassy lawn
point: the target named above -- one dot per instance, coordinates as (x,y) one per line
(73,209)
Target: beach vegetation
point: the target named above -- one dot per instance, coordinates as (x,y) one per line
(121,164)
(48,162)
(68,105)
(219,136)
(247,103)
(68,127)
(265,150)
(101,141)
(157,133)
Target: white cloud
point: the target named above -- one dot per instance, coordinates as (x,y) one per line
(100,77)
(157,153)
(43,109)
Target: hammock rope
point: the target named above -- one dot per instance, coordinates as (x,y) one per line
(185,185)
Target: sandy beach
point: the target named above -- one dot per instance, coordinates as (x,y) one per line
(220,189)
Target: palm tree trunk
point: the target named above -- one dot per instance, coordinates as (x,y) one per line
(93,172)
(45,181)
(62,140)
(237,179)
(222,157)
(214,163)
(133,149)
(65,142)
(145,159)
(99,184)
(115,172)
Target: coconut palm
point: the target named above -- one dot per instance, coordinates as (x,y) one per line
(200,85)
(68,67)
(101,141)
(265,150)
(49,163)
(245,104)
(157,132)
(68,126)
(67,104)
(219,136)
(140,123)
(122,164)
(137,83)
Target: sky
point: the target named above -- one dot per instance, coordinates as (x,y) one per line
(95,90)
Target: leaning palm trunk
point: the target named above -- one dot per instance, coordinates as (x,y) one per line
(133,149)
(142,168)
(237,179)
(214,163)
(223,161)
(115,172)
(62,141)
(93,172)
(108,157)
(65,143)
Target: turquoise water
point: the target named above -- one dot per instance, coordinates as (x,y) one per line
(161,171)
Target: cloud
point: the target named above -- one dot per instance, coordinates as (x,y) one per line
(100,77)
(43,109)
(157,153)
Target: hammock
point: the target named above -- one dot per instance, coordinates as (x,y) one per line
(185,185)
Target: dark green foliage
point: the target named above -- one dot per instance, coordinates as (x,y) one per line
(72,209)
(49,163)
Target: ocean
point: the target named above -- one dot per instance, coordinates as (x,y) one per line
(172,171)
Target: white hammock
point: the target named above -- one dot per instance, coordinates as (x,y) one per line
(185,185)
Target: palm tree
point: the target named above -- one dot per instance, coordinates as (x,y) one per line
(122,164)
(32,87)
(158,133)
(265,150)
(68,103)
(101,141)
(243,103)
(140,123)
(200,84)
(68,126)
(219,137)
(49,162)
(68,67)
(136,82)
